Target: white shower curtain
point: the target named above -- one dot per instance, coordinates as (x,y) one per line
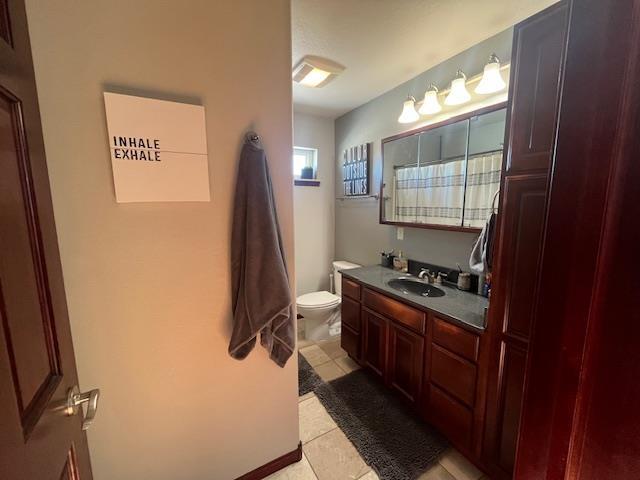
(406,185)
(435,193)
(483,181)
(441,193)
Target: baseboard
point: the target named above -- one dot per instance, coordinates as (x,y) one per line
(274,465)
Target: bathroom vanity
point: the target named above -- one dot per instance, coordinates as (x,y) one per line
(427,349)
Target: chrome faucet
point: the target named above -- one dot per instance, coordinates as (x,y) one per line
(430,276)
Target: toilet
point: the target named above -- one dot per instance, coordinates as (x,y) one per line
(321,310)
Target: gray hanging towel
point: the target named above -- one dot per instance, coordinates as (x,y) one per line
(261,298)
(481,258)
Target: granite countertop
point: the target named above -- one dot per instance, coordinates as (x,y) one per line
(464,308)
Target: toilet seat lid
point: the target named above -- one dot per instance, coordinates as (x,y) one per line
(317,299)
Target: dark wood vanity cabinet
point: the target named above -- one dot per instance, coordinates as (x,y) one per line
(429,362)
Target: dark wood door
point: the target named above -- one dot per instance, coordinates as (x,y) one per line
(37,368)
(374,341)
(535,86)
(580,410)
(405,363)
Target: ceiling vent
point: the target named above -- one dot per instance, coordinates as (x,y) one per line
(315,72)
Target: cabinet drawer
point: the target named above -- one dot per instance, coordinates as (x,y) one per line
(450,417)
(456,339)
(350,289)
(350,342)
(399,312)
(453,374)
(350,313)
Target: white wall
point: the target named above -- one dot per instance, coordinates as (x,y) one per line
(148,284)
(313,206)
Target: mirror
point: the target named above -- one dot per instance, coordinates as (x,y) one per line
(446,175)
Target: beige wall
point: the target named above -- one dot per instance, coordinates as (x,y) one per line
(313,206)
(148,284)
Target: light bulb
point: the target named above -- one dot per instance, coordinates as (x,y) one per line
(409,113)
(430,104)
(491,81)
(458,93)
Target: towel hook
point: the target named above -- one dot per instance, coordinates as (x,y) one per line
(253,137)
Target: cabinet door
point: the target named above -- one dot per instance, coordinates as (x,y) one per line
(405,362)
(374,341)
(538,50)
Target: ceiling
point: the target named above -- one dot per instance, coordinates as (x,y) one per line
(383,43)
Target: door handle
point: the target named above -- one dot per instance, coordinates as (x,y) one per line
(75,399)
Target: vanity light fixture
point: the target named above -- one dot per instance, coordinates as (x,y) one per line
(430,104)
(458,93)
(491,81)
(409,114)
(315,72)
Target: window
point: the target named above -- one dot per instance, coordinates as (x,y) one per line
(305,163)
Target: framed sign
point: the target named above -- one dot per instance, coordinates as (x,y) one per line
(355,170)
(158,150)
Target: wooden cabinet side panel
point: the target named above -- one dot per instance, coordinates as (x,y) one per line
(350,342)
(350,313)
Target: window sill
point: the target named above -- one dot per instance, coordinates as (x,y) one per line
(306,183)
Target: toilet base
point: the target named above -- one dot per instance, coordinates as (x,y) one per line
(335,329)
(318,329)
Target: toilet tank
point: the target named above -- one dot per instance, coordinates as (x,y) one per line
(337,277)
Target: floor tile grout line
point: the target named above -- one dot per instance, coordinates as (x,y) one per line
(306,400)
(356,450)
(310,466)
(367,473)
(321,435)
(320,364)
(445,468)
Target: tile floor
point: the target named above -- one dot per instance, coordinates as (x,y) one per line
(327,452)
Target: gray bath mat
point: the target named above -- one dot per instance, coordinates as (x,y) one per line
(308,379)
(388,435)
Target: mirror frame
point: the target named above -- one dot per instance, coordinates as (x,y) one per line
(426,128)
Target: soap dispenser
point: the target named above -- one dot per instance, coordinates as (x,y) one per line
(397,261)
